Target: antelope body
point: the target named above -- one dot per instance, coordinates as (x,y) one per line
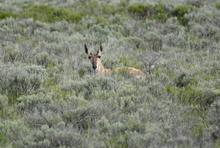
(99,68)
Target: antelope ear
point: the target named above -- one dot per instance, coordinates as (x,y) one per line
(86,49)
(99,51)
(100,47)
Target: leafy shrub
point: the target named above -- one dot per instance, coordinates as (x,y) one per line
(196,3)
(11,55)
(50,14)
(56,137)
(3,107)
(207,30)
(5,14)
(157,11)
(137,8)
(198,43)
(141,9)
(217,5)
(3,101)
(135,42)
(11,129)
(196,96)
(43,59)
(103,124)
(29,103)
(3,140)
(20,80)
(119,141)
(154,41)
(161,13)
(183,80)
(214,121)
(109,9)
(87,88)
(175,39)
(100,32)
(39,110)
(180,12)
(42,137)
(90,7)
(127,61)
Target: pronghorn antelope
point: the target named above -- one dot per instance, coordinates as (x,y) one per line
(95,59)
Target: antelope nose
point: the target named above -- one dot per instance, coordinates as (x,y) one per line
(94,66)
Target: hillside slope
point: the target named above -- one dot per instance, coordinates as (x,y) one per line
(50,97)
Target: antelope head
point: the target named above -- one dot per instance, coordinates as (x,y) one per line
(95,58)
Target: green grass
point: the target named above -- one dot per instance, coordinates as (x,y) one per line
(119,141)
(6,14)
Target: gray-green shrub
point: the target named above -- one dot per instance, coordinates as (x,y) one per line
(20,80)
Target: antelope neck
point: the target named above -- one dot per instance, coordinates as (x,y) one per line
(100,68)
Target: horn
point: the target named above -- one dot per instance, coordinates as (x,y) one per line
(100,47)
(86,49)
(100,50)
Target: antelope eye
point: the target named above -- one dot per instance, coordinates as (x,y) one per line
(99,56)
(89,57)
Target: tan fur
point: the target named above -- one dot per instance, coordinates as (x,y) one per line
(101,70)
(131,71)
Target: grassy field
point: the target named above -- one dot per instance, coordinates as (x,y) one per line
(50,97)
